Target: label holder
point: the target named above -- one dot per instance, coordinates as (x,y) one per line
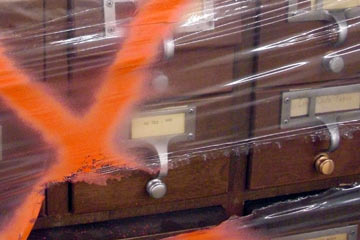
(312,118)
(160,143)
(202,22)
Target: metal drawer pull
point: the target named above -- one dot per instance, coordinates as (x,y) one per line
(340,19)
(332,126)
(157,128)
(323,164)
(156,188)
(339,16)
(169,48)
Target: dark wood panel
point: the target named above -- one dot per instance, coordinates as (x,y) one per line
(315,185)
(56,78)
(57,199)
(153,226)
(58,39)
(85,218)
(291,53)
(286,156)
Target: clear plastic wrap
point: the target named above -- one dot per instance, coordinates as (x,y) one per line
(124,108)
(331,208)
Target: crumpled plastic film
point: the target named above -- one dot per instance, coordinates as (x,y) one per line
(312,212)
(92,91)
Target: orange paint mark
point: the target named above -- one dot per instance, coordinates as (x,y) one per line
(230,230)
(84,143)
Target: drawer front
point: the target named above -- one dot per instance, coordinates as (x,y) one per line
(191,175)
(197,67)
(295,51)
(287,155)
(206,23)
(188,73)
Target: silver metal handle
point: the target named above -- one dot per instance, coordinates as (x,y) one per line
(340,19)
(156,188)
(318,14)
(169,48)
(332,126)
(162,150)
(110,17)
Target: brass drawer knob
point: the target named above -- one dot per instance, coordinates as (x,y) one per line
(324,164)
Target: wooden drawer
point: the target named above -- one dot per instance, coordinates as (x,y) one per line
(292,52)
(221,23)
(193,175)
(188,73)
(198,67)
(287,156)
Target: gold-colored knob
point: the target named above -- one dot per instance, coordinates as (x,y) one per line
(324,164)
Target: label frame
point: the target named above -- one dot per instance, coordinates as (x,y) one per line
(190,122)
(312,119)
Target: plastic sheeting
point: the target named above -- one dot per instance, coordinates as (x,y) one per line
(92,89)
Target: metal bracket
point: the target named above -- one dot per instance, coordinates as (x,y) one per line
(110,20)
(201,20)
(156,188)
(339,16)
(310,116)
(112,29)
(169,48)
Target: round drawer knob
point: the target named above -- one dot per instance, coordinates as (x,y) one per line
(156,188)
(160,82)
(324,164)
(333,64)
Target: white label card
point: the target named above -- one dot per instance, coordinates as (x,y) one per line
(158,125)
(337,103)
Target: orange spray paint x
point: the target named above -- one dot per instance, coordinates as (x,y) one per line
(80,141)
